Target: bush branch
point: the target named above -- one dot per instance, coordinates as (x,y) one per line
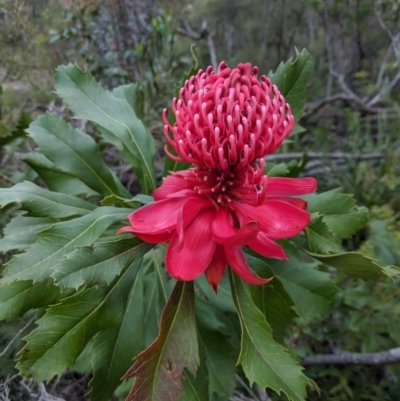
(355,358)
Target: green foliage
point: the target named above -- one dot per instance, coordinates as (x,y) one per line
(104,298)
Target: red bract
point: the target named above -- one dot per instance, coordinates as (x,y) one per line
(228,118)
(226,122)
(207,216)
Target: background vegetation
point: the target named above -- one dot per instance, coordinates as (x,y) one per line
(350,136)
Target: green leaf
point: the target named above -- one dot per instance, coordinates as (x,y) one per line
(273,301)
(354,264)
(55,178)
(98,263)
(264,361)
(158,369)
(219,361)
(75,153)
(17,131)
(158,287)
(320,239)
(113,349)
(291,79)
(54,243)
(195,388)
(22,231)
(18,297)
(89,101)
(134,202)
(40,202)
(133,96)
(311,290)
(66,328)
(341,214)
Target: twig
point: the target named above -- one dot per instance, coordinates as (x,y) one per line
(16,336)
(321,155)
(355,358)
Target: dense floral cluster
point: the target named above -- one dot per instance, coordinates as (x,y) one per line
(226,122)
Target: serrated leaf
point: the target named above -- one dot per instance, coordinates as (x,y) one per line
(272,299)
(311,290)
(98,263)
(18,297)
(89,101)
(113,349)
(158,369)
(39,202)
(354,264)
(75,153)
(17,131)
(66,328)
(265,361)
(134,97)
(341,214)
(134,202)
(195,388)
(320,239)
(21,232)
(291,79)
(54,177)
(54,243)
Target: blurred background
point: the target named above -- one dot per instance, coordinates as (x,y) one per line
(351,133)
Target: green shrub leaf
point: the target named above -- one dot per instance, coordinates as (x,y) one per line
(89,101)
(265,361)
(66,328)
(74,152)
(39,202)
(54,243)
(98,263)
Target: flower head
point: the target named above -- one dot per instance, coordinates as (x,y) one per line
(227,118)
(226,122)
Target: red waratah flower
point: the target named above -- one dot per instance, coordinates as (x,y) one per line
(226,122)
(228,118)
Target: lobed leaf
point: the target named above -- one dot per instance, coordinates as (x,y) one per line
(54,243)
(75,153)
(18,297)
(354,264)
(21,232)
(66,328)
(90,101)
(291,79)
(39,202)
(98,263)
(272,299)
(320,239)
(159,368)
(54,177)
(265,361)
(339,211)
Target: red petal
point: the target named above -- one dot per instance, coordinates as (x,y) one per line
(277,219)
(158,217)
(268,248)
(188,212)
(300,203)
(171,184)
(197,251)
(154,239)
(216,268)
(283,186)
(237,261)
(224,233)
